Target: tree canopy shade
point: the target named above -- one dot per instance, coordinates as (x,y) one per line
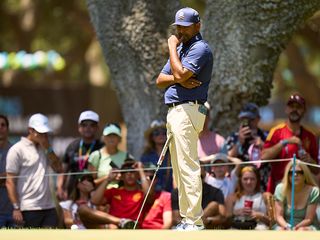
(247,37)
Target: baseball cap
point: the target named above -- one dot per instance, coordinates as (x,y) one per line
(88,115)
(220,156)
(249,110)
(296,98)
(186,17)
(39,122)
(111,129)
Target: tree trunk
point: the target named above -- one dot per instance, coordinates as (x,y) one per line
(247,38)
(133,35)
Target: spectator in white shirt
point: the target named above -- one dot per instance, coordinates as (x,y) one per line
(220,177)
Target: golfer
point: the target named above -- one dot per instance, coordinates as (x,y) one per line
(186,78)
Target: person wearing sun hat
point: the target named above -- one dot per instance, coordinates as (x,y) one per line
(31,158)
(155,137)
(289,138)
(110,156)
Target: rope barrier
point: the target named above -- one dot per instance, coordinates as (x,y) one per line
(165,168)
(236,162)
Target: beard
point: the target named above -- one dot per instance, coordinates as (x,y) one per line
(183,37)
(294,117)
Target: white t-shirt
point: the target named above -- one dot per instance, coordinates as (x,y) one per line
(29,161)
(226,185)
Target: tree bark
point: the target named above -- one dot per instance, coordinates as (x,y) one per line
(247,38)
(306,82)
(133,35)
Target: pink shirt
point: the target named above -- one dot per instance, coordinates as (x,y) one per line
(209,143)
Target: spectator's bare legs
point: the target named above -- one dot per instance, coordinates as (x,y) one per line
(213,215)
(93,219)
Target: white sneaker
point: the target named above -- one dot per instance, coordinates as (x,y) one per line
(180,226)
(193,227)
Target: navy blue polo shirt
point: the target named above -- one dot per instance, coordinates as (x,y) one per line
(196,56)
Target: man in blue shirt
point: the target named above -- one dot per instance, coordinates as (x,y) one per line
(186,78)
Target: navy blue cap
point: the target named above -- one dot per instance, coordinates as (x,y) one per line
(186,17)
(250,110)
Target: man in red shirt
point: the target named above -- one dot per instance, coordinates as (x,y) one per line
(125,202)
(289,138)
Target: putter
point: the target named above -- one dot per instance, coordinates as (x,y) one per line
(161,158)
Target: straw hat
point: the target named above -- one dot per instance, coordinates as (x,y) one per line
(154,125)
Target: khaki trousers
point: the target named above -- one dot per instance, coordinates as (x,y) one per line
(185,123)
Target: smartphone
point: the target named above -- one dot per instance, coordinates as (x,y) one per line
(245,123)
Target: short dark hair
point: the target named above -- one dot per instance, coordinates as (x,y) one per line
(5,118)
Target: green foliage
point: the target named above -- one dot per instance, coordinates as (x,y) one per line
(63,26)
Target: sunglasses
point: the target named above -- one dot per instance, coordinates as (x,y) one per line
(298,172)
(159,132)
(86,178)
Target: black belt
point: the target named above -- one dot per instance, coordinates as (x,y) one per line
(183,102)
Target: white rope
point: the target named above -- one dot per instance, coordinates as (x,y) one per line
(308,164)
(165,168)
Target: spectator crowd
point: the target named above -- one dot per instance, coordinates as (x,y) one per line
(100,186)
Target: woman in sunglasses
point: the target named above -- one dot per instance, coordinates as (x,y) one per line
(306,198)
(80,195)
